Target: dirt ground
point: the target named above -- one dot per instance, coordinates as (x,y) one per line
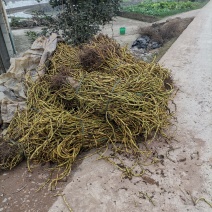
(22,42)
(18,190)
(156,39)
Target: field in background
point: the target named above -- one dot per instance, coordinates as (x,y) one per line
(161,8)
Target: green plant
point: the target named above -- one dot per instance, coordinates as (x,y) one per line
(163,8)
(32,36)
(79,20)
(15,22)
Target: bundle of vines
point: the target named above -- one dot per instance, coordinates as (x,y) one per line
(90,95)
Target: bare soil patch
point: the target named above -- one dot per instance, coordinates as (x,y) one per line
(156,39)
(19,189)
(163,32)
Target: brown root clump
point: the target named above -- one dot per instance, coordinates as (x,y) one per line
(61,79)
(11,154)
(58,81)
(65,71)
(92,57)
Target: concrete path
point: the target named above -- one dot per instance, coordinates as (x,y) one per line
(192,13)
(132,26)
(176,183)
(21,40)
(190,59)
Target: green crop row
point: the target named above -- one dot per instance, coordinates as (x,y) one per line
(163,8)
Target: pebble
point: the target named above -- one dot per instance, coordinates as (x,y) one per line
(4,200)
(144,42)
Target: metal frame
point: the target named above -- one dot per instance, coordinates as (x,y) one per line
(5,57)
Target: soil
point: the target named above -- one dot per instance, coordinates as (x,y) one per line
(171,31)
(163,35)
(161,32)
(18,190)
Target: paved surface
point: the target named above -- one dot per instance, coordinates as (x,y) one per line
(190,59)
(113,29)
(132,26)
(172,184)
(21,40)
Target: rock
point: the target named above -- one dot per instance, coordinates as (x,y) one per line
(147,38)
(4,200)
(154,45)
(136,50)
(9,107)
(141,42)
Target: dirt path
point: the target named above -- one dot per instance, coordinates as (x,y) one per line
(18,190)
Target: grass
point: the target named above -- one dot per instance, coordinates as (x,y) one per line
(164,8)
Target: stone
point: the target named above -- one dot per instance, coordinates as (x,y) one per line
(136,50)
(155,45)
(141,42)
(5,200)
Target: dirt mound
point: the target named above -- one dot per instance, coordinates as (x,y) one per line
(162,32)
(157,38)
(173,28)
